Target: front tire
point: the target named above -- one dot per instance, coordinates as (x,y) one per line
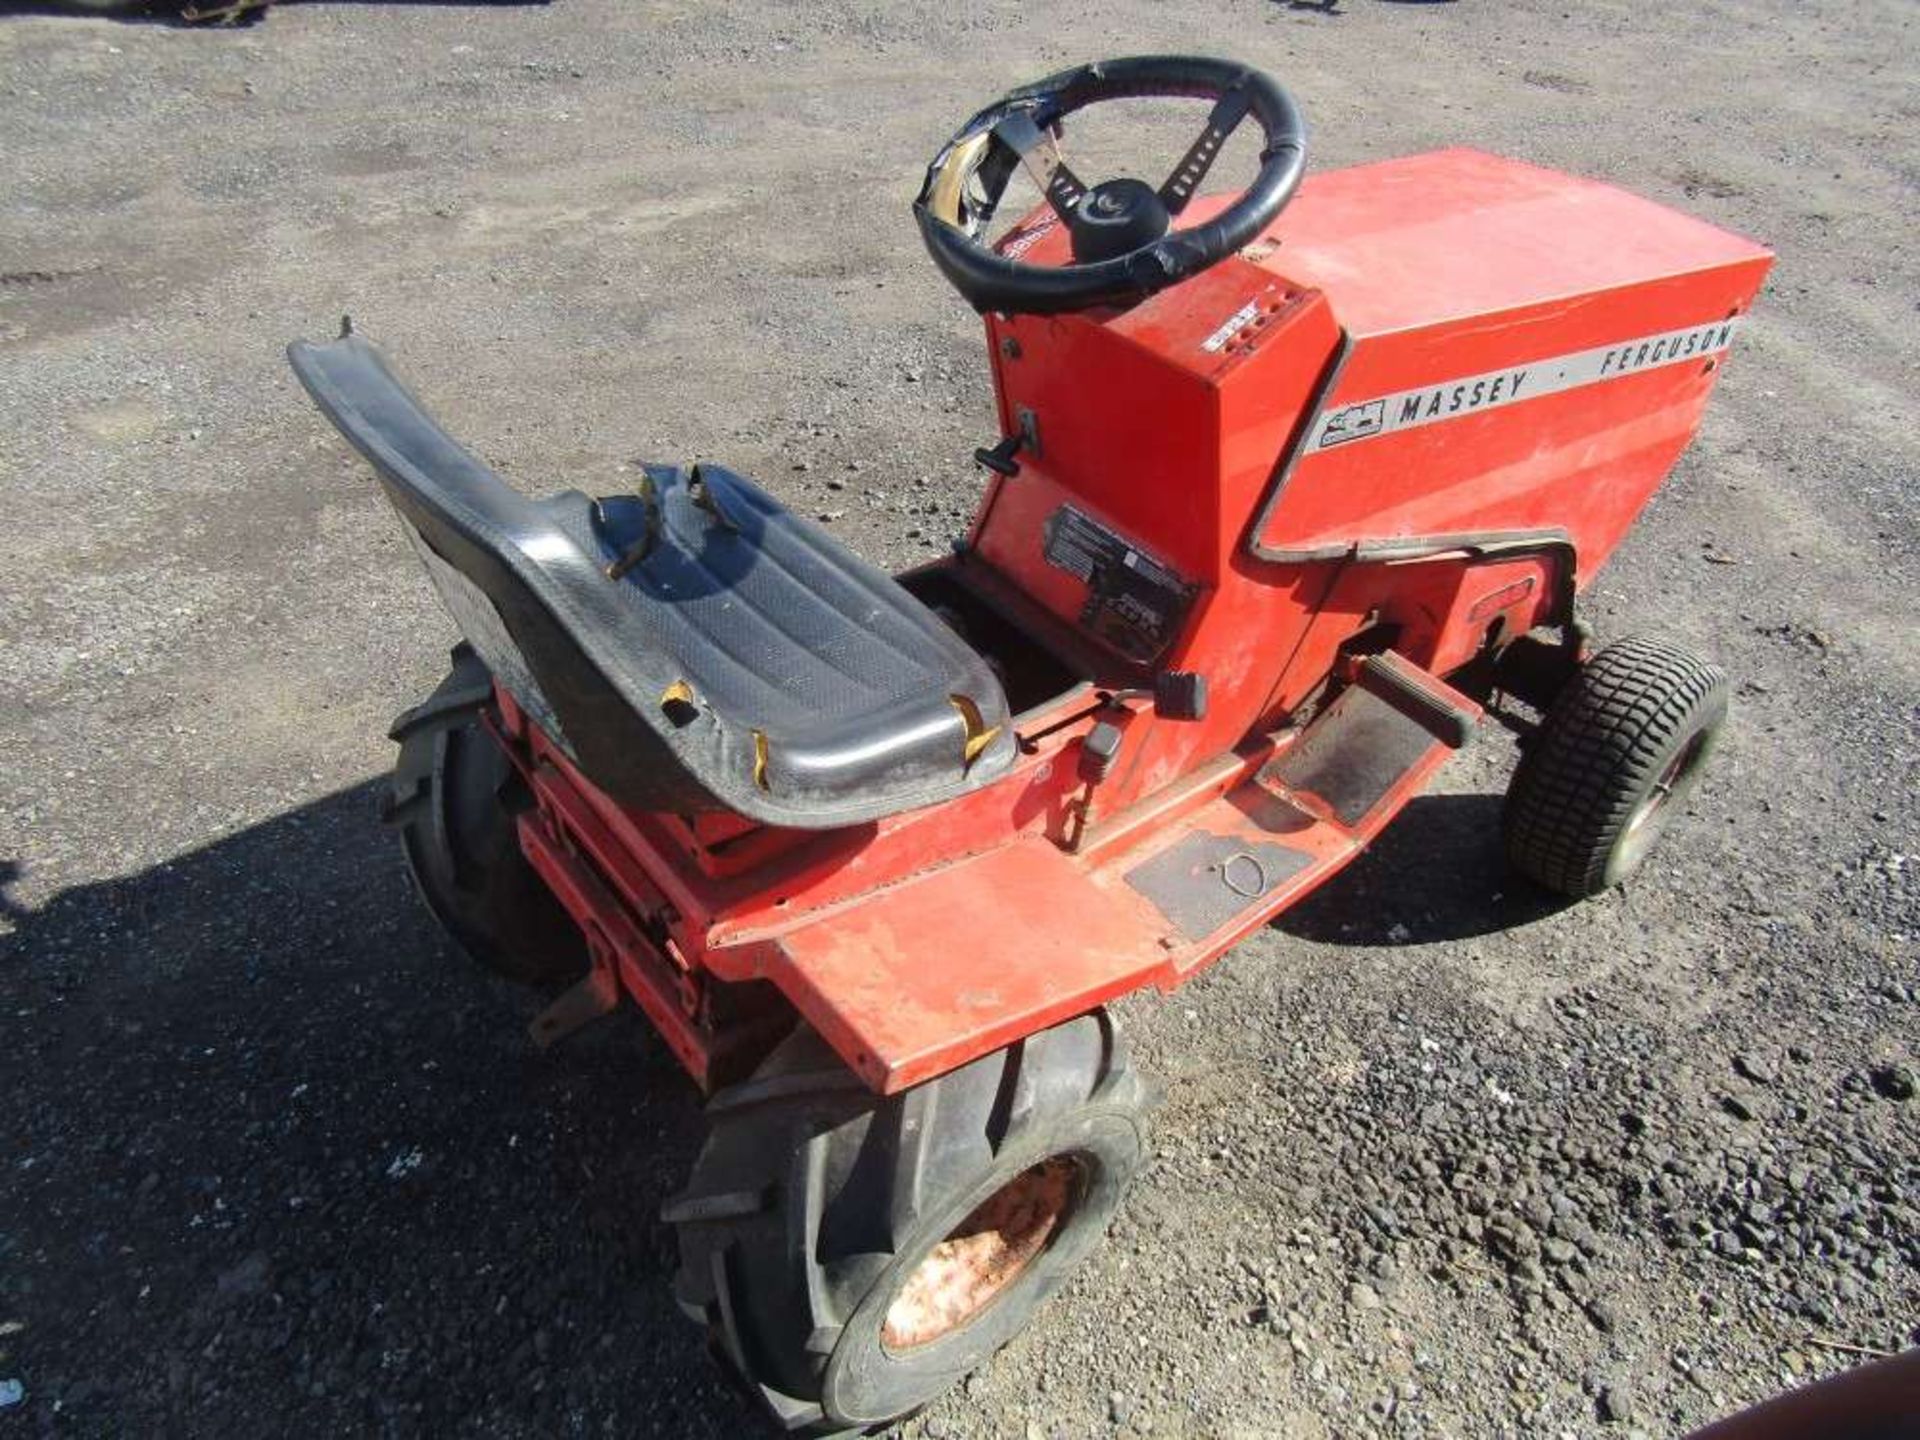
(1618,754)
(452,802)
(853,1255)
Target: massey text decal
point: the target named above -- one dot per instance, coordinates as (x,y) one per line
(1364,419)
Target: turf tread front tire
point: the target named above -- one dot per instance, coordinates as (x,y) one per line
(810,1201)
(1608,739)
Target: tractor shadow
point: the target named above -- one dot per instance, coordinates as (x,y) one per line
(1435,873)
(277,1151)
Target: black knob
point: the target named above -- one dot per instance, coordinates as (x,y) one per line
(1000,458)
(1180,695)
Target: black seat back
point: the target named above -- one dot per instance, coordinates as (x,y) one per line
(695,647)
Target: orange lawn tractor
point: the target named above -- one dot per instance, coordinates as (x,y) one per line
(1294,485)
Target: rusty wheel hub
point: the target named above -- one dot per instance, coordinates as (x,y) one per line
(985,1253)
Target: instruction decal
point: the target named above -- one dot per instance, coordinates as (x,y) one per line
(1134,602)
(1471,394)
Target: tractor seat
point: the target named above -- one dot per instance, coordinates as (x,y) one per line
(693,646)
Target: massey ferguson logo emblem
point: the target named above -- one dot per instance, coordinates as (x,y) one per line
(1356,422)
(1473,393)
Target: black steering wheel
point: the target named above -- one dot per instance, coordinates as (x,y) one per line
(1124,244)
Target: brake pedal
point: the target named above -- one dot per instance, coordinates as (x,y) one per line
(1421,696)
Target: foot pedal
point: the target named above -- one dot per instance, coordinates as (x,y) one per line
(1384,733)
(1421,696)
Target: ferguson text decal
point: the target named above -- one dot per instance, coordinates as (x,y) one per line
(1364,419)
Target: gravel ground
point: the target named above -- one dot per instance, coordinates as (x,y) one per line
(1437,1159)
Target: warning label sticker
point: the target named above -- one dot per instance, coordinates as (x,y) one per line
(1134,602)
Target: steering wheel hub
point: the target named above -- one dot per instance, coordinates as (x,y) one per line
(1124,243)
(1115,218)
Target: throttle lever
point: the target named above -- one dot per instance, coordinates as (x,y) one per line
(1000,458)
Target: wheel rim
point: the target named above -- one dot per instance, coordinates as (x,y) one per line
(1651,814)
(962,1275)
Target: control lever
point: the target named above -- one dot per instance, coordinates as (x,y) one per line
(1176,695)
(1098,752)
(1099,748)
(1000,458)
(1180,695)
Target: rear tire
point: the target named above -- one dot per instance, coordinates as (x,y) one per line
(453,799)
(1616,757)
(853,1255)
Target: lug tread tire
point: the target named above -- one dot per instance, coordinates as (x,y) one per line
(1604,744)
(449,801)
(846,1175)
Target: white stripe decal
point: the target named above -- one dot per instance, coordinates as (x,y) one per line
(1451,399)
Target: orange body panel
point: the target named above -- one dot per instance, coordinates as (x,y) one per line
(1176,420)
(1426,405)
